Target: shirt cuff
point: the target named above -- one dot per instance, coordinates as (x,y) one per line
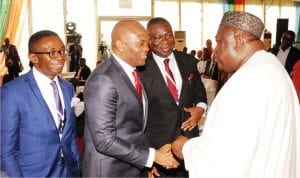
(151,157)
(202,105)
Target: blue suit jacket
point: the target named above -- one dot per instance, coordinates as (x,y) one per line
(30,143)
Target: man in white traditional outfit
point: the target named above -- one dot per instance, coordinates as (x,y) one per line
(252,127)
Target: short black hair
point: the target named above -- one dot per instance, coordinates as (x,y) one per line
(292,34)
(157,20)
(39,35)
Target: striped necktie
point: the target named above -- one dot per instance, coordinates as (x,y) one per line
(171,81)
(59,107)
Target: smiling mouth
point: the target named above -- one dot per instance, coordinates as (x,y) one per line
(58,65)
(166,48)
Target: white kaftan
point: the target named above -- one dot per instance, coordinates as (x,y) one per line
(252,127)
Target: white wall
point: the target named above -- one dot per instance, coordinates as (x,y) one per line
(49,15)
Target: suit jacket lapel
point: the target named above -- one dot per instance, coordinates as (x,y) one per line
(67,103)
(160,82)
(128,82)
(145,114)
(29,78)
(185,81)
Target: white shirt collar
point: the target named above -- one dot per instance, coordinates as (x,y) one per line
(160,60)
(42,79)
(128,68)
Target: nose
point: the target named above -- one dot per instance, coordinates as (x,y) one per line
(164,39)
(145,47)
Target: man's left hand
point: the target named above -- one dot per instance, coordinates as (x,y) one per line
(192,122)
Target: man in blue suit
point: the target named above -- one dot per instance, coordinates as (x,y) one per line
(38,136)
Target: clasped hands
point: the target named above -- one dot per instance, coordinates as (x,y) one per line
(164,157)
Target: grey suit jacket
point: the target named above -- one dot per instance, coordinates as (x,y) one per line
(115,124)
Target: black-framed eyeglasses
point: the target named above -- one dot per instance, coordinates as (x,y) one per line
(159,37)
(53,54)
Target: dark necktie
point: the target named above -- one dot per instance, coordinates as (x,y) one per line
(170,81)
(58,107)
(137,83)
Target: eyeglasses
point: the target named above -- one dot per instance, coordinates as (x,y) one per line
(159,37)
(53,54)
(287,38)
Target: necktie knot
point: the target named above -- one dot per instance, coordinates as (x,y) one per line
(166,62)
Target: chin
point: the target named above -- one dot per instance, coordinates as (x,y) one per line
(142,63)
(58,71)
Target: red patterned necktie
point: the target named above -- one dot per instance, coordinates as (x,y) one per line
(137,82)
(170,81)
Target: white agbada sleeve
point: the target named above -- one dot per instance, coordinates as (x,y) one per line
(251,127)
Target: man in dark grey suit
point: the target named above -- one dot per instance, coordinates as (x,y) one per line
(171,113)
(116,112)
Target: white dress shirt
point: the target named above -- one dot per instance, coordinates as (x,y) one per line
(46,89)
(176,73)
(282,55)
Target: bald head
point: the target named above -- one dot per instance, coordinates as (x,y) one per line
(124,30)
(130,42)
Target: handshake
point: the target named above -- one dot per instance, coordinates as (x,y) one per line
(164,155)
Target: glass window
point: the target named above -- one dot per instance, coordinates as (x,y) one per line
(124,7)
(171,14)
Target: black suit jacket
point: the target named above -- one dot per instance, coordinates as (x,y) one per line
(85,72)
(165,116)
(292,57)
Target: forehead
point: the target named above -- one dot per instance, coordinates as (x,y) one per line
(49,41)
(160,27)
(287,34)
(137,36)
(223,31)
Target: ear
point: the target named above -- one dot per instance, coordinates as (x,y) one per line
(120,45)
(33,58)
(239,41)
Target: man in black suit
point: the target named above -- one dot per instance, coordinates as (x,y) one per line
(82,71)
(12,61)
(170,113)
(285,52)
(75,52)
